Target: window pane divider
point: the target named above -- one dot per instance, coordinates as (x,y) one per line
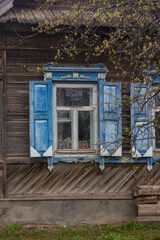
(84,108)
(64,120)
(75,129)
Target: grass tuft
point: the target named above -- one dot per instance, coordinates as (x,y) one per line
(127,231)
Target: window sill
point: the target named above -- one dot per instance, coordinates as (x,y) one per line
(75,152)
(78,154)
(156,150)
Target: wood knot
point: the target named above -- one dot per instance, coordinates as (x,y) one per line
(10,110)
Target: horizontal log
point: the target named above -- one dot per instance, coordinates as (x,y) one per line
(148,219)
(148,199)
(148,209)
(149,193)
(147,190)
(15,159)
(152,188)
(10,197)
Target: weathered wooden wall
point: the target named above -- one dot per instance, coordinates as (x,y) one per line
(24,55)
(1,102)
(2,115)
(21,54)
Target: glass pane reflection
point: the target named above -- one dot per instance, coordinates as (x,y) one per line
(64,129)
(85,129)
(157,100)
(73,97)
(157,129)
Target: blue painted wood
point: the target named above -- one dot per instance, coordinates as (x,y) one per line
(109,112)
(141,116)
(155,159)
(68,76)
(110,116)
(74,74)
(41,135)
(154,73)
(41,119)
(50,161)
(149,164)
(156,79)
(101,163)
(75,159)
(99,68)
(40,103)
(100,160)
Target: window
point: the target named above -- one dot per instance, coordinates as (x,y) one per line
(75,114)
(74,118)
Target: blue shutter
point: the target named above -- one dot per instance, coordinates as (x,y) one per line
(110,129)
(41,136)
(141,117)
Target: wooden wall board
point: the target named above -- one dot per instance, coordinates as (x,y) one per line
(23,58)
(1,182)
(5,5)
(72,179)
(2,115)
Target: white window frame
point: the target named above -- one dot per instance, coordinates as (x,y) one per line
(154,110)
(76,152)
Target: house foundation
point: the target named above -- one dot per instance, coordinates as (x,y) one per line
(66,212)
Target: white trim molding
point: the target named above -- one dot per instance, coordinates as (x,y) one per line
(149,152)
(118,152)
(103,151)
(135,153)
(49,152)
(34,153)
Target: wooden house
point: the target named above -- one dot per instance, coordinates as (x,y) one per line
(55,167)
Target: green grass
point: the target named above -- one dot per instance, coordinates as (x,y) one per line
(127,231)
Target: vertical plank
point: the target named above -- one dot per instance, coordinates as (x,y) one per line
(1,102)
(1,125)
(1,183)
(3,114)
(4,124)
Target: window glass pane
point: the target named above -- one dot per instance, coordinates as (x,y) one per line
(157,100)
(85,129)
(64,115)
(157,129)
(73,97)
(64,129)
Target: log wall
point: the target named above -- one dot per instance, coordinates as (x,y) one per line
(24,55)
(147,200)
(2,116)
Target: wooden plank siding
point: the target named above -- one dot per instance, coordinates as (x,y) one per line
(80,180)
(3,168)
(2,71)
(23,58)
